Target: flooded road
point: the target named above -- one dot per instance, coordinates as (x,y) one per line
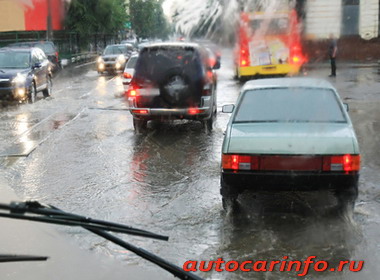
(78,151)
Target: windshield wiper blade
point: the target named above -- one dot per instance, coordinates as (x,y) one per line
(57,216)
(49,214)
(21,258)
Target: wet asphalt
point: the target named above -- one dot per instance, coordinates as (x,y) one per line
(78,150)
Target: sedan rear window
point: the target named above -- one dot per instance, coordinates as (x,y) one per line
(289,105)
(47,48)
(132,62)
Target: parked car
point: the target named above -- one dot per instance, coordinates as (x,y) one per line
(289,134)
(48,47)
(114,58)
(129,70)
(132,42)
(173,81)
(23,73)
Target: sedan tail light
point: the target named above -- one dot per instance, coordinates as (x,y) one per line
(240,162)
(345,163)
(127,75)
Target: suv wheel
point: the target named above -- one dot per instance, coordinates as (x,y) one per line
(47,91)
(32,93)
(139,125)
(209,123)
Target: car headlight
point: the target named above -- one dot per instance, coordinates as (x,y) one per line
(121,59)
(19,79)
(100,59)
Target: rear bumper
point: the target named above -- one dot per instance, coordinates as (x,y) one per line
(204,112)
(279,69)
(302,181)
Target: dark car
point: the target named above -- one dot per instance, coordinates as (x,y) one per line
(114,58)
(48,47)
(173,81)
(23,73)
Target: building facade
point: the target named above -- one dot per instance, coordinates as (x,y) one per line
(341,18)
(31,15)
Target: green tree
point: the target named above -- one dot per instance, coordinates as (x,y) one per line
(96,16)
(148,19)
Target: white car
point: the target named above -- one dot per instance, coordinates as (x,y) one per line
(289,134)
(129,70)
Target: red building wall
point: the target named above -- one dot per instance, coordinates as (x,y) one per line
(36,15)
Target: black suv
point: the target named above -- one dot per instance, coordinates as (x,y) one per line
(173,81)
(23,73)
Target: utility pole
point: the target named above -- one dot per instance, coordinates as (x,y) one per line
(49,29)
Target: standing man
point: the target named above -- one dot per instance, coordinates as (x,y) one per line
(333,49)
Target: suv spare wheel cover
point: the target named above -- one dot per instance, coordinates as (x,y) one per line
(176,87)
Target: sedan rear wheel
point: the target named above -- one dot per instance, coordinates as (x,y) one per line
(229,196)
(346,198)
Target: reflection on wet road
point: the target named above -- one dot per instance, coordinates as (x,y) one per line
(79,151)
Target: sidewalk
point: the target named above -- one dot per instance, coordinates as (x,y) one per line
(342,64)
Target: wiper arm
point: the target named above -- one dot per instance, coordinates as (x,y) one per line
(98,227)
(18,210)
(21,258)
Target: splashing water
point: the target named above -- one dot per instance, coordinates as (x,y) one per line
(217,19)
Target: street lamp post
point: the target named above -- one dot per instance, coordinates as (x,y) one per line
(49,29)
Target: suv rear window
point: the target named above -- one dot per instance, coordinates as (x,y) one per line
(154,64)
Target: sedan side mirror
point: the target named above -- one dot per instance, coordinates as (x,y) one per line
(346,106)
(228,108)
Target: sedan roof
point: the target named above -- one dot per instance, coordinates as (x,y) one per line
(288,82)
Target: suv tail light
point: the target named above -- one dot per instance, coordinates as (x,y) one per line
(132,91)
(56,56)
(345,163)
(195,111)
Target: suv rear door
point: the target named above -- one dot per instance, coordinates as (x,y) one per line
(169,77)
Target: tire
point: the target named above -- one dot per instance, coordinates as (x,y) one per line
(47,92)
(176,88)
(209,123)
(346,198)
(139,125)
(229,196)
(32,93)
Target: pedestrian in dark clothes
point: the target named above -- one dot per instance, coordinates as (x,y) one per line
(333,49)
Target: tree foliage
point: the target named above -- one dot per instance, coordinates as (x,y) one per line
(148,19)
(96,16)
